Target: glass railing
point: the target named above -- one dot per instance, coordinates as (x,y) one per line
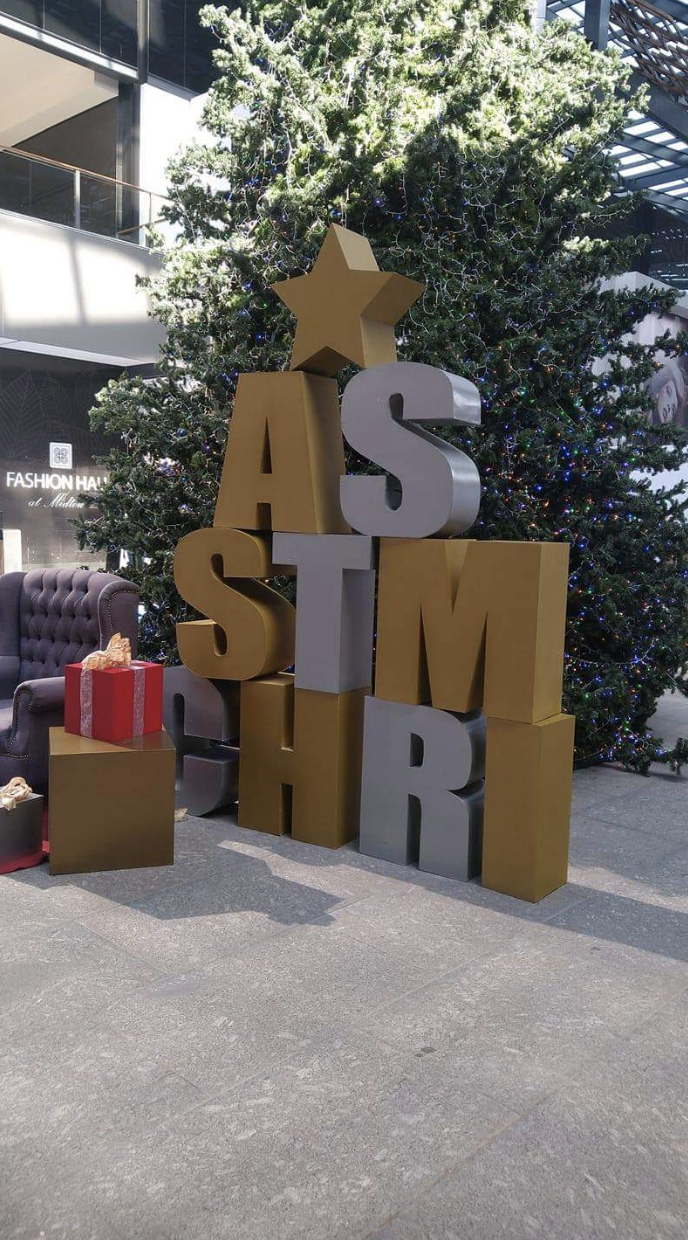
(64,194)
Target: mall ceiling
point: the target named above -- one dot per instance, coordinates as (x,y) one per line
(41,89)
(653,152)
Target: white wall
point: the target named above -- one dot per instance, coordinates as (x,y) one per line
(169,120)
(74,293)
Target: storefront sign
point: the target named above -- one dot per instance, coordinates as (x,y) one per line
(30,480)
(42,503)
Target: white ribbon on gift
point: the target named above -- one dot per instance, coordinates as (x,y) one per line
(86,700)
(139,670)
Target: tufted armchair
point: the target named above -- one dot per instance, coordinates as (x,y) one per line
(49,618)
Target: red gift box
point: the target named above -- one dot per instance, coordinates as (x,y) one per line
(113,703)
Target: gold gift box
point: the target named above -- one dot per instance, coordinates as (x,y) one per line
(111,806)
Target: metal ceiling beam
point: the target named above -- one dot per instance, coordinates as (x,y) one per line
(559,6)
(673,8)
(677,160)
(648,179)
(665,111)
(679,205)
(654,150)
(596,22)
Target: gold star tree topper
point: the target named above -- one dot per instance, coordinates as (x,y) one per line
(346,307)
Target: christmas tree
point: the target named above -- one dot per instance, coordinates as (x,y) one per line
(472,151)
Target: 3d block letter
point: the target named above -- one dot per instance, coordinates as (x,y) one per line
(300,766)
(433,488)
(202,718)
(468,625)
(251,628)
(416,762)
(335,606)
(527,806)
(284,456)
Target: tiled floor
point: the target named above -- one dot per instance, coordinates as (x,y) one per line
(272,1041)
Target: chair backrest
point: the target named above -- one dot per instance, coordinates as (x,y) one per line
(64,614)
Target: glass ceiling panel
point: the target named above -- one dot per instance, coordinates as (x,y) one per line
(649,155)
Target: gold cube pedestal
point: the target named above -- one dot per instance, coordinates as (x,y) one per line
(528,777)
(111,806)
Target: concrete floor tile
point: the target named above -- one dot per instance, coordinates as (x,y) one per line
(319,1148)
(344,872)
(602,783)
(607,1155)
(97,1081)
(665,883)
(213,917)
(46,1195)
(630,934)
(326,973)
(63,973)
(556,998)
(269,1041)
(180,943)
(21,897)
(608,857)
(221,1024)
(429,930)
(352,876)
(213,1035)
(509,1075)
(606,846)
(671,719)
(24,932)
(658,807)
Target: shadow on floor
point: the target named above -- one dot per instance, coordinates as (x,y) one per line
(247,885)
(609,916)
(214,878)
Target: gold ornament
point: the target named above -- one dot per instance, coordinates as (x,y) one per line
(117,653)
(15,791)
(346,307)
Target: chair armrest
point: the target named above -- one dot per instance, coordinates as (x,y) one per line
(40,696)
(38,707)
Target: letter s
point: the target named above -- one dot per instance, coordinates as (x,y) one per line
(434,488)
(251,630)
